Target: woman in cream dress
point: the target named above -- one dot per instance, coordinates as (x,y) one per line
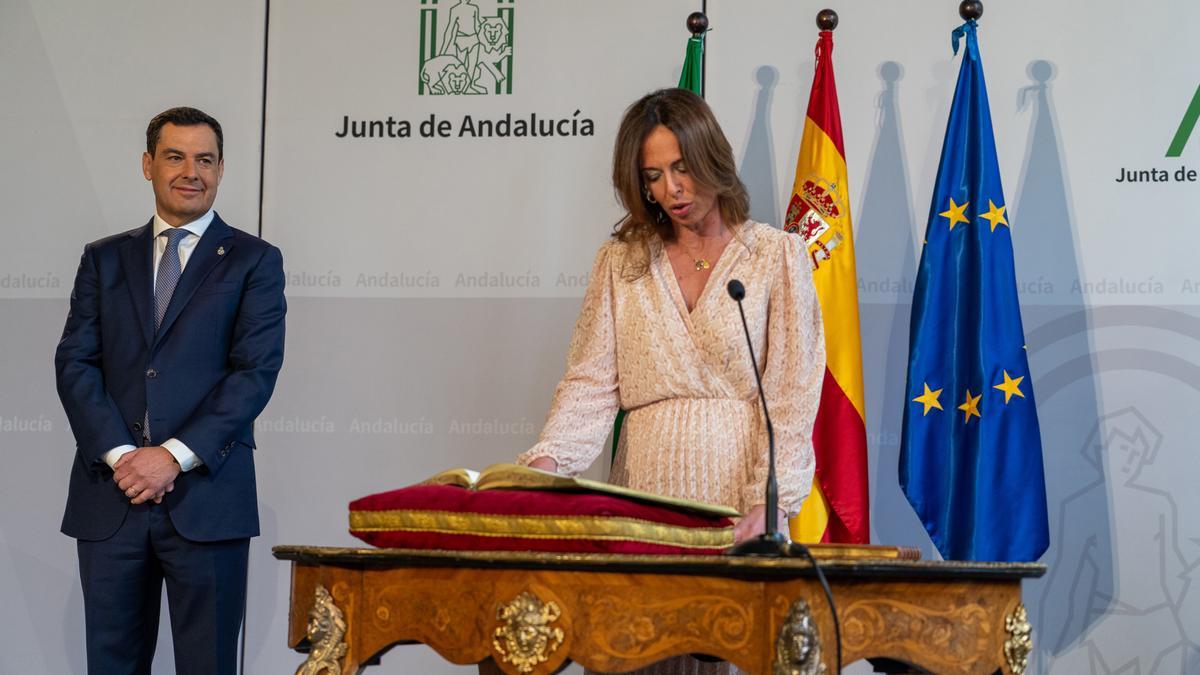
(659,337)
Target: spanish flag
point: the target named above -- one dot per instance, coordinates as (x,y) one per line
(837,508)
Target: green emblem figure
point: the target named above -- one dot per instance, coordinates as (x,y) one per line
(463,51)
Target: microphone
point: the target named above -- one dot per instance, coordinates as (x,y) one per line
(772,543)
(738,292)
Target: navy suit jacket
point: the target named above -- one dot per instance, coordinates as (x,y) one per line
(205,375)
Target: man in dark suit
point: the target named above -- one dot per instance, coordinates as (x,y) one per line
(171,349)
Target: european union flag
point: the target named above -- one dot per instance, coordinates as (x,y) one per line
(971,450)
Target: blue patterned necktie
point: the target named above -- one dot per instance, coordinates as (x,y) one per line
(168,274)
(165,280)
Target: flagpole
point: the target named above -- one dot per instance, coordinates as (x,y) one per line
(970,10)
(697,25)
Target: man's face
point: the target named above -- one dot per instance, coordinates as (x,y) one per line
(185,172)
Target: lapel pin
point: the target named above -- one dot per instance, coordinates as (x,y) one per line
(220,250)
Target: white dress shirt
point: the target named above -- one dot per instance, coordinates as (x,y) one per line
(182,453)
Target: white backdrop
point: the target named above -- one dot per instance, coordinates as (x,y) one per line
(433,282)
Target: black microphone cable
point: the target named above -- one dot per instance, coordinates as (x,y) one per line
(837,625)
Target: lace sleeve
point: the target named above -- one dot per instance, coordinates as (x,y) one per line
(792,377)
(586,399)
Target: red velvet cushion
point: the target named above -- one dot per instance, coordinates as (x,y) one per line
(455,518)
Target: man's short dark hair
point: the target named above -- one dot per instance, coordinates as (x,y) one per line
(183,117)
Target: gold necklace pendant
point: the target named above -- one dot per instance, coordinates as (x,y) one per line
(701,264)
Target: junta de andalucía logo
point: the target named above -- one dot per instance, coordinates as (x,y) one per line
(466,47)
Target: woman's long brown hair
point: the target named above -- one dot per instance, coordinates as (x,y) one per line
(706,153)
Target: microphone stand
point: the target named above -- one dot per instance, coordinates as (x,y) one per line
(772,543)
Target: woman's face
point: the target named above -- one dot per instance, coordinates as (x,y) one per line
(666,177)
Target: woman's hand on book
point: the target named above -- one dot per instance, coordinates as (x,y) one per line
(755,523)
(545,464)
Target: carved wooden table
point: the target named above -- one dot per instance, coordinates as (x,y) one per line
(519,613)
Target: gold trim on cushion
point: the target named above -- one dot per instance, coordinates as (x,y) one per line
(541,527)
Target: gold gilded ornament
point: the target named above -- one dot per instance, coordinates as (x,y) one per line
(798,647)
(527,638)
(1020,639)
(326,628)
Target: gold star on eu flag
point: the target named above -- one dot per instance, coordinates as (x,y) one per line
(956,213)
(929,399)
(995,215)
(970,407)
(1010,387)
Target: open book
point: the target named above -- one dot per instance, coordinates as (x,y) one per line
(516,477)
